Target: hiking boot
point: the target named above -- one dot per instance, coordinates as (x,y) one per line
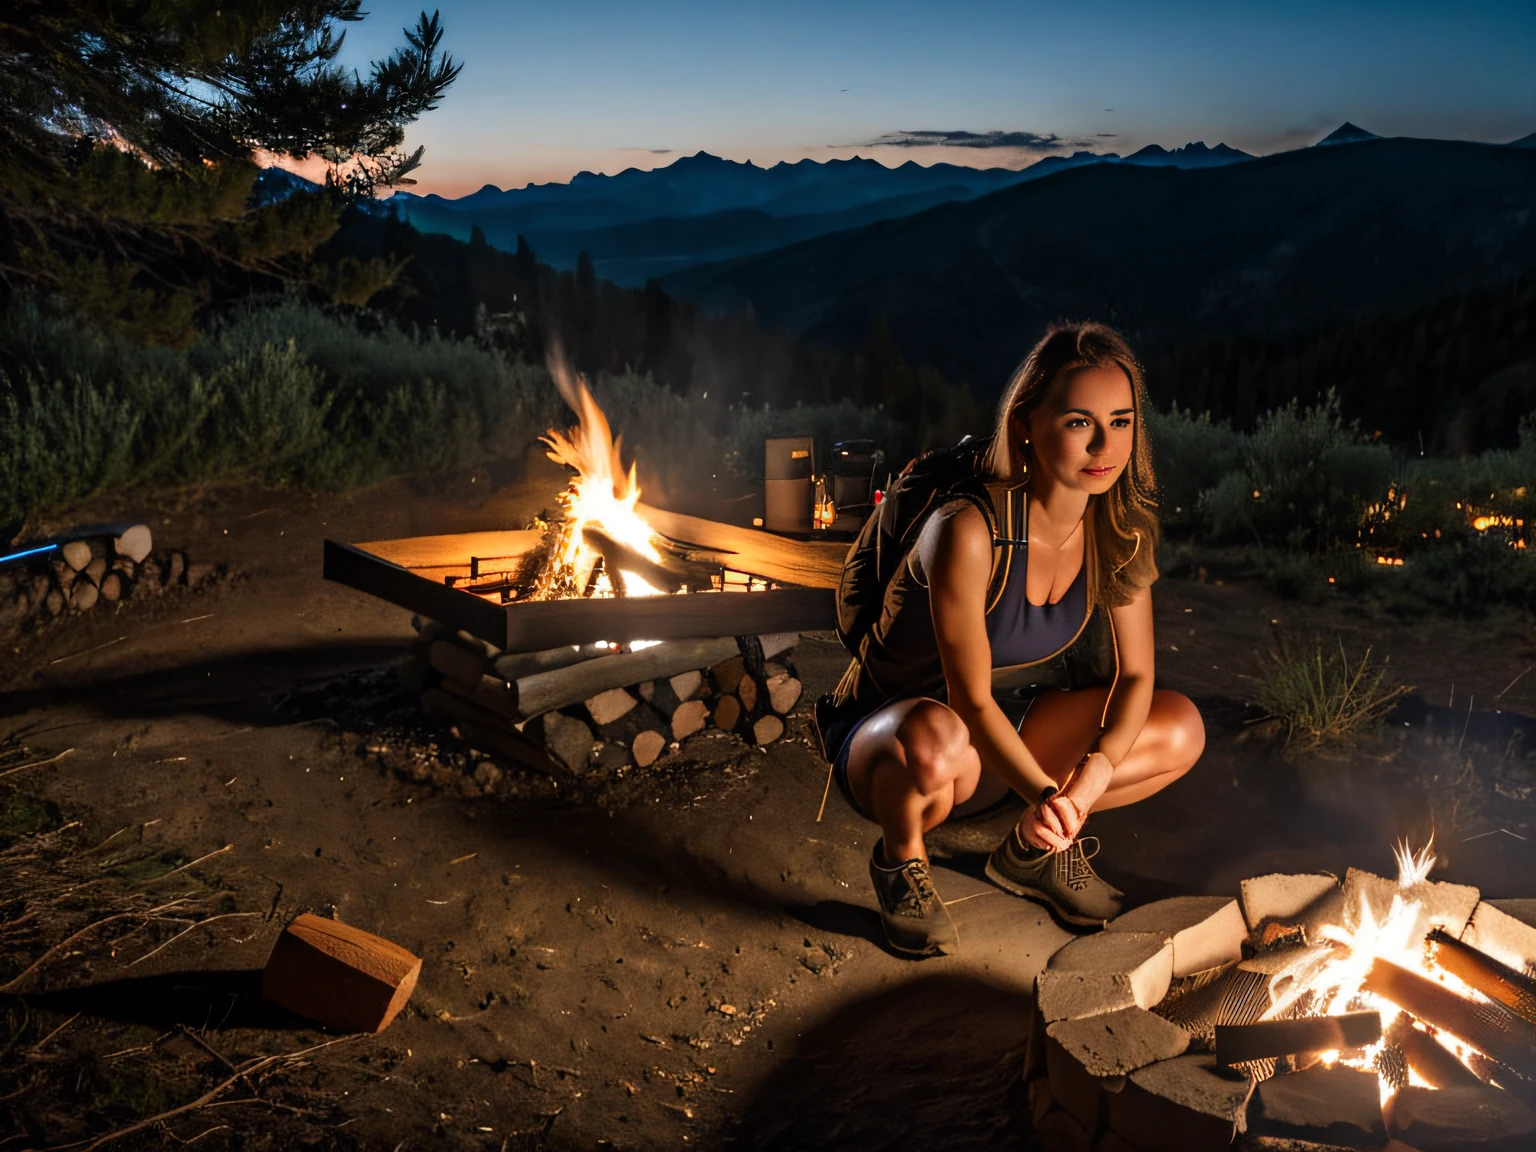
(916,921)
(1063,881)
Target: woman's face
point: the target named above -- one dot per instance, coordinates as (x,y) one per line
(1083,433)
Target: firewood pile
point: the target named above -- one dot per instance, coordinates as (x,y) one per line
(571,709)
(1306,1013)
(91,568)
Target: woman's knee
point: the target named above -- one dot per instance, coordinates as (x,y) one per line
(936,745)
(1183,731)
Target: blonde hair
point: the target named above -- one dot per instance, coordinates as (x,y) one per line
(1121,524)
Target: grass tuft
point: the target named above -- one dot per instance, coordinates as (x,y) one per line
(1322,697)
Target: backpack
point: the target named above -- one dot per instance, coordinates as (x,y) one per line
(925,484)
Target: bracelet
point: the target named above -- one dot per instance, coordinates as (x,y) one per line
(1050,790)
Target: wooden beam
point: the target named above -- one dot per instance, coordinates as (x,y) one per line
(349,565)
(1239,1043)
(1494,979)
(1490,1028)
(809,564)
(454,551)
(1435,1064)
(545,691)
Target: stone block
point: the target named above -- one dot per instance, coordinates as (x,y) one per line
(1338,1105)
(1072,1087)
(1473,1117)
(1040,1099)
(1284,898)
(1118,1043)
(1034,1047)
(1205,931)
(1181,1105)
(1501,929)
(1103,973)
(1059,1132)
(1447,906)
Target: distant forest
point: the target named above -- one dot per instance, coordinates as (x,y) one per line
(1455,375)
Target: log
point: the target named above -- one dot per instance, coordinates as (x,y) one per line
(767,729)
(546,691)
(1492,1029)
(516,665)
(486,692)
(783,693)
(606,707)
(569,739)
(647,746)
(112,588)
(412,671)
(133,542)
(727,674)
(82,596)
(689,718)
(746,691)
(456,661)
(727,713)
(686,685)
(96,569)
(778,643)
(808,564)
(77,554)
(1240,1043)
(619,558)
(512,744)
(1435,1064)
(339,975)
(1494,979)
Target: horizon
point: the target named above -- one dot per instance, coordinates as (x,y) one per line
(548,92)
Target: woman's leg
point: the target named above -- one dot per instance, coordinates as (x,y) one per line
(1061,726)
(909,764)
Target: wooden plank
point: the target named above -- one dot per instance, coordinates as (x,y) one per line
(551,623)
(809,564)
(454,550)
(366,572)
(1492,1029)
(1240,1043)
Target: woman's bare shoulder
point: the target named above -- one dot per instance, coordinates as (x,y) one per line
(957,533)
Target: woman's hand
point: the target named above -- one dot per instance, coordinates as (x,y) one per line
(1044,826)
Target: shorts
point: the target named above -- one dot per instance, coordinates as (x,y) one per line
(840,729)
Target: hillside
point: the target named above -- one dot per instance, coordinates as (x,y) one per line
(1272,246)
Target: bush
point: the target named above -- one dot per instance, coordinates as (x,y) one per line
(1321,698)
(1193,455)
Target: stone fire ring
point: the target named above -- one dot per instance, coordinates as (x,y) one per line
(1105,1072)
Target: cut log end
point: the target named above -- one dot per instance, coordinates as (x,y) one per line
(783,693)
(727,713)
(646,747)
(689,718)
(339,975)
(767,729)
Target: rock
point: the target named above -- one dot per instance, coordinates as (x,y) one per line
(1104,973)
(1283,898)
(689,718)
(1501,929)
(77,554)
(111,587)
(1205,931)
(686,685)
(569,739)
(54,602)
(1118,1043)
(83,596)
(606,707)
(1474,1117)
(341,976)
(135,543)
(199,573)
(1338,1105)
(96,569)
(646,747)
(176,568)
(1447,906)
(487,775)
(1180,1105)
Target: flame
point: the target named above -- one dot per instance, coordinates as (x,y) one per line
(602,494)
(1334,974)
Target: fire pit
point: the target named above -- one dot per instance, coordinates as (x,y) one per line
(1304,1013)
(612,632)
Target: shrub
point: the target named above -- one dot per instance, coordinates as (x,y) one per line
(1193,455)
(1321,697)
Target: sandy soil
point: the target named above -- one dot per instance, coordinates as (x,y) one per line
(602,967)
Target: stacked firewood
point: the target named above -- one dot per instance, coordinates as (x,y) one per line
(602,705)
(90,568)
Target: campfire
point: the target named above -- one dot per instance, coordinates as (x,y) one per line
(609,634)
(1344,1014)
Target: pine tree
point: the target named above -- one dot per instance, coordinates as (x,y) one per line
(130,142)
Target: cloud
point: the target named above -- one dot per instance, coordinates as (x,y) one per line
(651,151)
(958,138)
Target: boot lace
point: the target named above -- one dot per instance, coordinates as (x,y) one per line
(1072,867)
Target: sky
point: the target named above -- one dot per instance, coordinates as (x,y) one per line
(555,88)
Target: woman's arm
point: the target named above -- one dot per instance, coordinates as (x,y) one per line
(955,549)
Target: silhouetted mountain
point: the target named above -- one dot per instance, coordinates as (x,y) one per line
(1195,155)
(1347,133)
(637,225)
(1272,246)
(1523,142)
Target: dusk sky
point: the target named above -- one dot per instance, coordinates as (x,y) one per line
(550,89)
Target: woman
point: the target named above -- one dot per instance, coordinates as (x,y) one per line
(979,677)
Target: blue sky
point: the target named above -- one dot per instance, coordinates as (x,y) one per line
(551,89)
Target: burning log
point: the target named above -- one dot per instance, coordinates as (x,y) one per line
(1435,1064)
(1239,1043)
(619,559)
(1492,1029)
(1495,980)
(809,565)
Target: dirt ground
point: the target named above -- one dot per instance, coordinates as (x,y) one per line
(601,967)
